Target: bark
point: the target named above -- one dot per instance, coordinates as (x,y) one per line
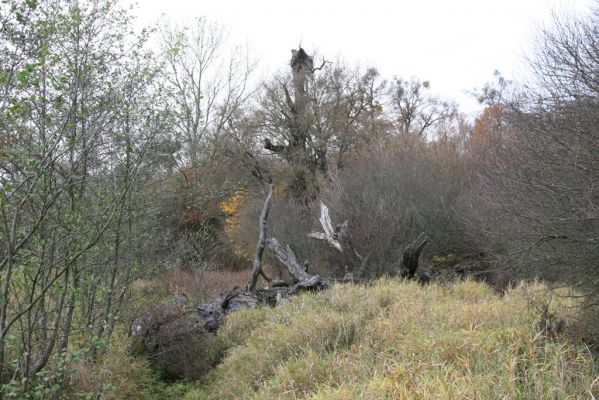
(162,333)
(302,66)
(41,363)
(411,255)
(287,257)
(211,314)
(257,267)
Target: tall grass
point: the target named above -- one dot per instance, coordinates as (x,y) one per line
(398,340)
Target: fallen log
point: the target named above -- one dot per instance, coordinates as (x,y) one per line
(177,339)
(305,281)
(171,327)
(213,313)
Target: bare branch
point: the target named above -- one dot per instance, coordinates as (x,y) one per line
(324,62)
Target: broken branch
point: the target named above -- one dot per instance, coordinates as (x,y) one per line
(287,257)
(329,234)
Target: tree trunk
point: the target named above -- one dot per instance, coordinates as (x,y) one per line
(169,326)
(340,239)
(411,255)
(294,152)
(257,267)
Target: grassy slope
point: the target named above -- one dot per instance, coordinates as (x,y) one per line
(402,341)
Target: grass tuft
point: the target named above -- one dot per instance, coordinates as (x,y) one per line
(399,340)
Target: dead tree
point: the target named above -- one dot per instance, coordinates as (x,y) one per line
(340,239)
(304,281)
(302,67)
(212,314)
(172,326)
(257,267)
(411,255)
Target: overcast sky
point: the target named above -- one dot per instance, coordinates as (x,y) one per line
(455,44)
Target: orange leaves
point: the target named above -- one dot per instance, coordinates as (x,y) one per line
(488,128)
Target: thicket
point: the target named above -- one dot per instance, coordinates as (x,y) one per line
(536,186)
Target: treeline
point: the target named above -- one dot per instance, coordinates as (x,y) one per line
(123,154)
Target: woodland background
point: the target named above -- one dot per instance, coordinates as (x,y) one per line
(133,166)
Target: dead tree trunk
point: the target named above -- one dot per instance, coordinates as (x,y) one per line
(171,326)
(340,239)
(213,313)
(305,281)
(302,66)
(411,255)
(257,267)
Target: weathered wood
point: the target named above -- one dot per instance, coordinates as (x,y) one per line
(171,326)
(257,266)
(296,110)
(340,239)
(214,312)
(313,283)
(412,253)
(305,281)
(287,257)
(329,235)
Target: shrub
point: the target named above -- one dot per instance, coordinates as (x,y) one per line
(113,375)
(537,197)
(391,196)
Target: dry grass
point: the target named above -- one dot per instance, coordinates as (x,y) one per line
(397,340)
(115,375)
(216,282)
(196,285)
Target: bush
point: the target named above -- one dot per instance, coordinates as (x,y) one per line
(391,196)
(115,374)
(537,197)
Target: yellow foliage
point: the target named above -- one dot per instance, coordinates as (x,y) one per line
(279,191)
(231,208)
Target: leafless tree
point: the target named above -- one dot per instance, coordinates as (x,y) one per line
(540,184)
(204,87)
(414,109)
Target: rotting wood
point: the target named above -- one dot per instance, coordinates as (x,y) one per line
(288,259)
(329,235)
(411,255)
(173,320)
